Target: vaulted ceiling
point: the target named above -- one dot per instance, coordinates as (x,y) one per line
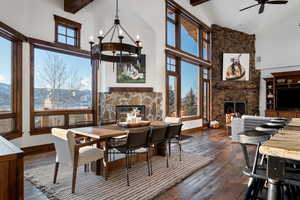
(226,13)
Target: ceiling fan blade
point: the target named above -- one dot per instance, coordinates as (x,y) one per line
(277,2)
(262,8)
(250,7)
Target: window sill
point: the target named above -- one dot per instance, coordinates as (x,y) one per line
(190,118)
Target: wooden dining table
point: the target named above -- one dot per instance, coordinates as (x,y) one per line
(281,147)
(104,133)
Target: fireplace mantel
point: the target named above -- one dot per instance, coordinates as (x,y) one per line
(130,89)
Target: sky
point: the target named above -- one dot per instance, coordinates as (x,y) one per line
(5,60)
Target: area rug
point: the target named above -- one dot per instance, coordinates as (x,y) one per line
(142,187)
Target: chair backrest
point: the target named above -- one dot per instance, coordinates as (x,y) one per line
(173,130)
(138,138)
(175,120)
(158,135)
(64,141)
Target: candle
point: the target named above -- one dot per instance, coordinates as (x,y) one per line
(101,33)
(91,38)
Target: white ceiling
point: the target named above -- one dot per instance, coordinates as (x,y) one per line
(226,13)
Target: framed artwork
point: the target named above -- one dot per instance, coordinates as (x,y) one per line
(236,66)
(132,73)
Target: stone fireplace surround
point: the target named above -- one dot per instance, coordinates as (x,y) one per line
(133,97)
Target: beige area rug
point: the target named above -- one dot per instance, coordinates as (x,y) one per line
(89,186)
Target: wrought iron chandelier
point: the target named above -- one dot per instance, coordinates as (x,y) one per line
(120,52)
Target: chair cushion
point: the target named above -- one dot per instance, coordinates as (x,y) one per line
(88,154)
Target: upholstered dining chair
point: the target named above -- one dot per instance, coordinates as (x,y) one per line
(136,139)
(69,153)
(173,132)
(157,136)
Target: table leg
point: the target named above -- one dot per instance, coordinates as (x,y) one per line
(273,190)
(102,165)
(98,163)
(275,173)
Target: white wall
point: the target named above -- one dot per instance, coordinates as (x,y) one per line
(34,18)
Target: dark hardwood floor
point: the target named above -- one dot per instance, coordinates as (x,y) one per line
(222,179)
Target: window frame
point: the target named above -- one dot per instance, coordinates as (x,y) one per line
(180,12)
(17,40)
(60,21)
(34,43)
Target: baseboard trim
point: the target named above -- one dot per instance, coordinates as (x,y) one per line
(38,149)
(193,130)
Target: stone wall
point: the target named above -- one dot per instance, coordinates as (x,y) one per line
(151,100)
(226,40)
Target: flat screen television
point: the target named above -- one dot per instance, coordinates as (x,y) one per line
(288,98)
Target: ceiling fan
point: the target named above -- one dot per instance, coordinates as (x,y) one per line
(262,4)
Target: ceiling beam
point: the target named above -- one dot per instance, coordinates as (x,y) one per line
(74,6)
(197,2)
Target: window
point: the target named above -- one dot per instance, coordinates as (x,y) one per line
(61,81)
(10,82)
(190,93)
(67,32)
(186,33)
(189,37)
(6,75)
(171,28)
(187,65)
(64,89)
(185,90)
(206,95)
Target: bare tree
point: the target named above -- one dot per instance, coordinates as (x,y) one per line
(55,76)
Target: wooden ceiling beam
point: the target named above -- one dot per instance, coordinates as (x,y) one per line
(74,6)
(197,2)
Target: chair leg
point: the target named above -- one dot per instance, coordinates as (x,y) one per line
(148,163)
(74,178)
(180,150)
(168,158)
(127,170)
(55,172)
(169,147)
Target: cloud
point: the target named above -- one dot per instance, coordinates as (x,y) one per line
(2,79)
(86,83)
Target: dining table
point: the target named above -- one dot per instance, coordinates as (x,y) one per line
(283,146)
(104,133)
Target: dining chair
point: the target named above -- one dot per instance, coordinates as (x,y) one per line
(173,132)
(136,139)
(157,136)
(69,153)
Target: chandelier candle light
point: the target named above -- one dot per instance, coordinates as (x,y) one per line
(132,51)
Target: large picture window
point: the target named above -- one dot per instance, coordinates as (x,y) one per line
(184,83)
(6,67)
(61,81)
(10,82)
(190,89)
(63,87)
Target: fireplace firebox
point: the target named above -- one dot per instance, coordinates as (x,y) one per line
(123,110)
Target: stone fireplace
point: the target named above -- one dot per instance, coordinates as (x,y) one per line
(233,96)
(127,98)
